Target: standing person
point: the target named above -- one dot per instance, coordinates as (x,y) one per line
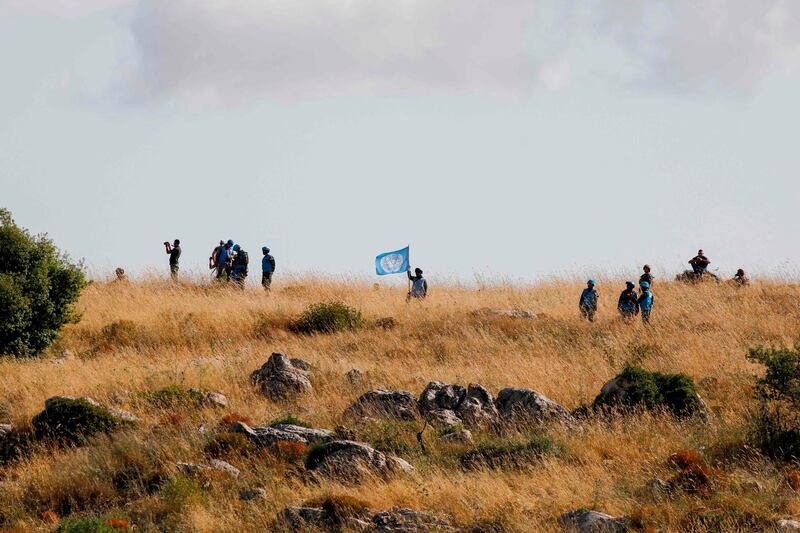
(239,267)
(588,301)
(647,276)
(214,258)
(646,302)
(224,258)
(267,268)
(628,304)
(419,286)
(700,263)
(174,252)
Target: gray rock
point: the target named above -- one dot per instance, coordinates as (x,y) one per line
(353,462)
(193,469)
(787,525)
(299,363)
(247,495)
(452,405)
(222,466)
(6,429)
(384,404)
(528,408)
(210,398)
(268,436)
(408,520)
(463,436)
(591,522)
(281,378)
(319,519)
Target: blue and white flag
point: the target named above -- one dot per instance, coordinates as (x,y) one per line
(392,262)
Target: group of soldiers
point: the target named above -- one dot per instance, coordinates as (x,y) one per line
(631,303)
(229,262)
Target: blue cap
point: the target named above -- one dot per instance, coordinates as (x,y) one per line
(230,242)
(265,249)
(591,281)
(236,247)
(630,284)
(645,284)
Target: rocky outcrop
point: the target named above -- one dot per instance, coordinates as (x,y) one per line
(281,378)
(584,521)
(392,520)
(526,408)
(384,404)
(268,436)
(73,420)
(353,462)
(452,405)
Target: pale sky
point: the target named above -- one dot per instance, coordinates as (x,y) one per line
(504,138)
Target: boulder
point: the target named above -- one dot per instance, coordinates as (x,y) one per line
(281,378)
(384,404)
(73,420)
(451,405)
(210,398)
(585,521)
(408,520)
(323,519)
(787,525)
(527,408)
(270,435)
(352,462)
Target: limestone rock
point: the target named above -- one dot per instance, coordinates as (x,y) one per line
(281,378)
(353,462)
(270,435)
(408,520)
(528,408)
(384,404)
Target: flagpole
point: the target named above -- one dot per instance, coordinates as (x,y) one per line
(409,267)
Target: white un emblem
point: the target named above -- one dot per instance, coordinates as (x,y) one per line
(392,262)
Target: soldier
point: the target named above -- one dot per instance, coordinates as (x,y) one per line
(646,302)
(239,267)
(741,279)
(419,286)
(267,268)
(588,301)
(647,276)
(224,258)
(174,252)
(214,258)
(700,263)
(628,304)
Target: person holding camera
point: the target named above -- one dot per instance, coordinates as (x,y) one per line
(174,252)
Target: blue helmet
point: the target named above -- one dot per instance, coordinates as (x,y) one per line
(591,282)
(230,242)
(236,247)
(265,249)
(645,284)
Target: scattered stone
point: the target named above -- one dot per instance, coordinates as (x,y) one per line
(379,403)
(193,469)
(223,466)
(352,462)
(453,405)
(408,520)
(6,429)
(526,407)
(72,420)
(210,398)
(257,493)
(268,436)
(354,376)
(591,522)
(787,525)
(510,313)
(462,436)
(281,378)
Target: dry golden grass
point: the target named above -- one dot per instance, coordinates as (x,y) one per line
(144,336)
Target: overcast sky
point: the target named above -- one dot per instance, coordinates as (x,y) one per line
(519,138)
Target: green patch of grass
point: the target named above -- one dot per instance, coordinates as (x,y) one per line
(85,525)
(328,317)
(511,454)
(181,492)
(289,419)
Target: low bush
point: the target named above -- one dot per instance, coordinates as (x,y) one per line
(777,425)
(73,421)
(328,317)
(505,454)
(93,525)
(653,390)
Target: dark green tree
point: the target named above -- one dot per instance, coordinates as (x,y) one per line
(38,289)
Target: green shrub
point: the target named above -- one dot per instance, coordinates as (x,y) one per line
(38,288)
(85,525)
(505,454)
(778,421)
(328,317)
(72,421)
(653,390)
(289,419)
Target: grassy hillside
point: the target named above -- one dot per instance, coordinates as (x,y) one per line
(135,339)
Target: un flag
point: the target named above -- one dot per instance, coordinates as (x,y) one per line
(392,262)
